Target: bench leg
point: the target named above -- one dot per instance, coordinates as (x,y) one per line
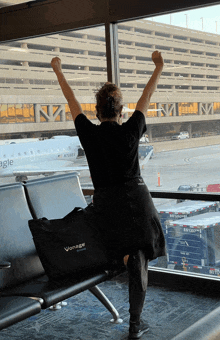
(58,305)
(104,300)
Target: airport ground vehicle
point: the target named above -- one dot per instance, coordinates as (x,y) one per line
(178,239)
(192,243)
(181,135)
(184,188)
(144,139)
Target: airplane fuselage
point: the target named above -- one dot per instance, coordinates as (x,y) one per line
(33,154)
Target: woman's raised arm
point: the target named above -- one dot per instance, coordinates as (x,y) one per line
(74,105)
(151,86)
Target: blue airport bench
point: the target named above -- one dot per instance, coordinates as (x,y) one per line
(54,197)
(24,282)
(17,308)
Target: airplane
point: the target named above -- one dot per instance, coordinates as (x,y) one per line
(145,153)
(44,157)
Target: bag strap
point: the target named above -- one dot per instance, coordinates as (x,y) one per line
(72,213)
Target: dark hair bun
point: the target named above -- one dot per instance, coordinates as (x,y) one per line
(110,107)
(109,100)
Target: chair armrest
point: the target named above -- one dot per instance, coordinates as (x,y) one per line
(4,264)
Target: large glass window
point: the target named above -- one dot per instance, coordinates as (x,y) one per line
(183,124)
(7,3)
(33,107)
(30,92)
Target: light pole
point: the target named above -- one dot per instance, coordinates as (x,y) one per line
(216,23)
(202,23)
(186,20)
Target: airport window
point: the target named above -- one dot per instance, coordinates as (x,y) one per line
(197,87)
(182,87)
(212,77)
(182,95)
(161,34)
(27,73)
(210,42)
(180,50)
(143,45)
(142,72)
(212,65)
(164,86)
(211,54)
(196,40)
(161,48)
(180,62)
(196,52)
(143,58)
(141,30)
(197,76)
(126,71)
(126,85)
(213,88)
(188,92)
(179,37)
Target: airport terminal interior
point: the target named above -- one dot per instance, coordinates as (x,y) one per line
(99,41)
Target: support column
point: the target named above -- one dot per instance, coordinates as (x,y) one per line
(25,63)
(62,113)
(174,109)
(37,113)
(159,105)
(50,112)
(177,109)
(25,47)
(149,132)
(190,130)
(112,53)
(200,108)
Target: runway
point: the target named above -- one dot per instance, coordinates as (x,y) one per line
(188,166)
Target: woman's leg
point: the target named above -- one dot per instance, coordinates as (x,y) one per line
(138,278)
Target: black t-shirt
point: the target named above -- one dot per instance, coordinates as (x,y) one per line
(111,149)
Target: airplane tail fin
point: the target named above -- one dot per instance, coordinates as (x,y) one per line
(144,155)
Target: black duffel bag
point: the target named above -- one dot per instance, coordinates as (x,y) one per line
(70,246)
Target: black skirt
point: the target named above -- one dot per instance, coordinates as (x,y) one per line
(128,220)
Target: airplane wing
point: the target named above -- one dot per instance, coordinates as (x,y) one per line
(48,168)
(32,172)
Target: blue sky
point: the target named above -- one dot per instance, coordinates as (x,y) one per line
(193,17)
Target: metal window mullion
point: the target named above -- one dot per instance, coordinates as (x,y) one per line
(112,54)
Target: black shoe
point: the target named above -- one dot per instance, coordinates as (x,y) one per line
(137,329)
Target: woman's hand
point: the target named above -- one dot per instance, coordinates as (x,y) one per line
(56,64)
(157,59)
